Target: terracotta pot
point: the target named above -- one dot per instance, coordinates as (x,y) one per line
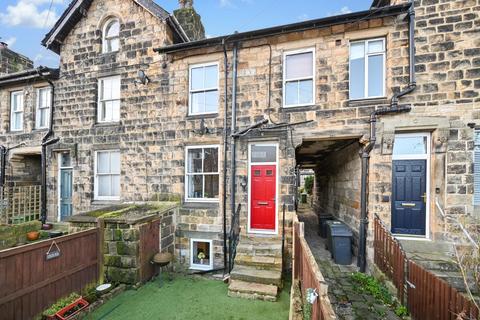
(162,258)
(33,235)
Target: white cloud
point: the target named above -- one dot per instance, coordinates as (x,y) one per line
(343,10)
(226,3)
(10,41)
(30,13)
(303,17)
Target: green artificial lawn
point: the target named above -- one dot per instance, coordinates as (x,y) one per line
(190,298)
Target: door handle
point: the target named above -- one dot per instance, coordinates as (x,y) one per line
(262,203)
(424,197)
(408,204)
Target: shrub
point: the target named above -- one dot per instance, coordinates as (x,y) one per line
(309,184)
(60,304)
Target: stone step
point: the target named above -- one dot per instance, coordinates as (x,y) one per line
(260,249)
(260,262)
(256,291)
(456,280)
(427,247)
(434,264)
(252,274)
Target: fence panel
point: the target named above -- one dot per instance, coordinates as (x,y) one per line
(30,283)
(306,270)
(430,297)
(149,245)
(20,204)
(389,257)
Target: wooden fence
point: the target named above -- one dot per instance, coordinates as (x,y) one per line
(431,298)
(389,257)
(427,296)
(29,283)
(149,246)
(306,270)
(19,204)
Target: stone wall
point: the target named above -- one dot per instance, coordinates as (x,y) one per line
(11,61)
(13,235)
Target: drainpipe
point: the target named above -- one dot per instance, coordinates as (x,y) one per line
(45,143)
(232,130)
(3,156)
(225,145)
(365,152)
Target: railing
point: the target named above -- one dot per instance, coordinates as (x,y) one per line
(305,269)
(389,256)
(427,296)
(233,238)
(19,204)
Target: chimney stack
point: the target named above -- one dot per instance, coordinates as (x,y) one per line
(190,20)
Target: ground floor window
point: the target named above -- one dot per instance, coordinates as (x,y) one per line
(201,254)
(202,174)
(107,175)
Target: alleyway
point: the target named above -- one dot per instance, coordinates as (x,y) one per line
(348,303)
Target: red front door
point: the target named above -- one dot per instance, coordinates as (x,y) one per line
(263,190)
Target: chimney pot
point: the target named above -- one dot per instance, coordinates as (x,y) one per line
(185,3)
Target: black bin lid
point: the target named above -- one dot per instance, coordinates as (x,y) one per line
(339,229)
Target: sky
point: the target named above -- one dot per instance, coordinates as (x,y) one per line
(23,23)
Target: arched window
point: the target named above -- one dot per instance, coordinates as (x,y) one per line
(111,36)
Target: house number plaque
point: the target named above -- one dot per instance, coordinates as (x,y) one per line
(53,254)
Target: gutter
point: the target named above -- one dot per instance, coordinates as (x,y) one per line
(394,108)
(288,28)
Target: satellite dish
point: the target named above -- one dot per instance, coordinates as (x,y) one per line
(143,78)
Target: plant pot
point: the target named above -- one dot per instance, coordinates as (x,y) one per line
(54,234)
(47,226)
(72,309)
(33,235)
(162,258)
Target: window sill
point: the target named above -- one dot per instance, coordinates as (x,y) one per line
(107,124)
(40,129)
(298,108)
(105,201)
(202,116)
(201,205)
(368,102)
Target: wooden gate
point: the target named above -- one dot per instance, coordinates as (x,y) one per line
(149,245)
(29,283)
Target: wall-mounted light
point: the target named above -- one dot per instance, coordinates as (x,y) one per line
(244,183)
(142,78)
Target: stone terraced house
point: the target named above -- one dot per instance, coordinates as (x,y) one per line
(146,108)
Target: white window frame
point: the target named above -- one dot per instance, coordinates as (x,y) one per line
(194,266)
(476,164)
(101,100)
(425,156)
(285,80)
(104,35)
(96,196)
(39,108)
(187,148)
(14,94)
(366,55)
(190,91)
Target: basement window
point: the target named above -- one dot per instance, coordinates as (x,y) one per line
(203,89)
(16,108)
(111,36)
(201,257)
(43,107)
(107,175)
(298,78)
(109,99)
(202,175)
(367,69)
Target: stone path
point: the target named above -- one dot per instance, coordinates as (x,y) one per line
(347,303)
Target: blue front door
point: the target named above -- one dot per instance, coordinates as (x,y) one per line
(409,197)
(65,193)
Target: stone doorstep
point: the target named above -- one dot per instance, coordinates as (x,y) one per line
(252,274)
(262,249)
(238,288)
(456,280)
(260,262)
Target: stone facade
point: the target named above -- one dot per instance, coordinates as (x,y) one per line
(155,127)
(11,61)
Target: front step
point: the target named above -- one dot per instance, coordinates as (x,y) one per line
(254,291)
(252,274)
(259,262)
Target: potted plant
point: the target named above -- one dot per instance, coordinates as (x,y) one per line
(66,307)
(72,309)
(201,256)
(33,235)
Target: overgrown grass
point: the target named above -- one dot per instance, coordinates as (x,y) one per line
(190,298)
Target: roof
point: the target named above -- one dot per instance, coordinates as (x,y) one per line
(29,74)
(294,27)
(78,8)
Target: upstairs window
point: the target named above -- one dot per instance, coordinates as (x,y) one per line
(202,175)
(367,69)
(298,80)
(44,100)
(109,99)
(16,111)
(111,36)
(107,175)
(203,89)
